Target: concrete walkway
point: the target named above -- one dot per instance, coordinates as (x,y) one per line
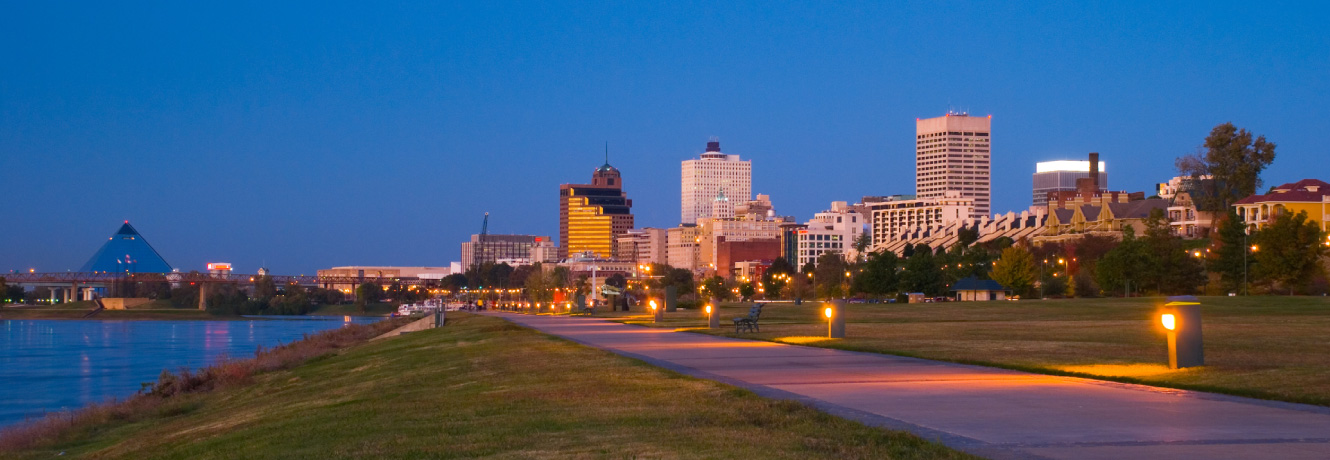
(990,412)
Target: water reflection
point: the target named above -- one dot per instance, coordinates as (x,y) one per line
(50,365)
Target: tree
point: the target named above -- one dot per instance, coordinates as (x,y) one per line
(537,286)
(1231,261)
(1125,266)
(1289,251)
(879,274)
(746,291)
(776,277)
(680,278)
(368,293)
(617,280)
(264,288)
(967,235)
(922,274)
(1016,271)
(716,287)
(1170,266)
(829,274)
(861,245)
(1089,249)
(453,282)
(1235,162)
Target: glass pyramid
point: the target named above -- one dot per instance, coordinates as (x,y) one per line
(126,251)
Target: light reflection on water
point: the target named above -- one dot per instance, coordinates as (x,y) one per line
(53,365)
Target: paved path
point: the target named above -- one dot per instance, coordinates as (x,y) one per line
(994,413)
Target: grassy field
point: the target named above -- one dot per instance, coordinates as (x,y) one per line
(1267,347)
(482,387)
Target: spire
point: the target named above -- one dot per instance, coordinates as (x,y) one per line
(607,152)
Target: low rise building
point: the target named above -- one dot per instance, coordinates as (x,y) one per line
(492,248)
(383,275)
(681,246)
(1308,195)
(895,218)
(643,246)
(833,230)
(729,254)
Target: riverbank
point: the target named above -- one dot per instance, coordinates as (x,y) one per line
(44,312)
(481,386)
(161,310)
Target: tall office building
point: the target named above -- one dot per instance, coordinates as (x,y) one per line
(706,177)
(952,154)
(592,216)
(1061,176)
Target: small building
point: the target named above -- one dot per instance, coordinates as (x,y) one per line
(972,289)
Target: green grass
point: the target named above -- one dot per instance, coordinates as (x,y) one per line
(1264,347)
(374,309)
(482,387)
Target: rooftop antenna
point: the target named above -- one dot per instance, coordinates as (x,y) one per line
(607,152)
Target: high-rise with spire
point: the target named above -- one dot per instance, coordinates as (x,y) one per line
(592,216)
(704,178)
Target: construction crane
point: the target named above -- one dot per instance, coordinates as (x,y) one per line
(485,227)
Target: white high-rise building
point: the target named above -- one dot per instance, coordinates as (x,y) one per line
(706,177)
(952,155)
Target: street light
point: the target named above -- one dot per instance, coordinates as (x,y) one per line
(713,320)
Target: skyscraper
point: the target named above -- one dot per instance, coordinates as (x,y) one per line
(952,154)
(592,216)
(706,177)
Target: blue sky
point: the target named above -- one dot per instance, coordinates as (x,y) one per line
(307,136)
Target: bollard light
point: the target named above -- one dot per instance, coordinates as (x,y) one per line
(657,313)
(1181,319)
(713,317)
(835,313)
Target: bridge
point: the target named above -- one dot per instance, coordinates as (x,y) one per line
(70,283)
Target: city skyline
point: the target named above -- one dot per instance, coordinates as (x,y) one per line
(269,148)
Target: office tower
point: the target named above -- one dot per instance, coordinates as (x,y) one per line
(1058,176)
(592,216)
(952,154)
(706,177)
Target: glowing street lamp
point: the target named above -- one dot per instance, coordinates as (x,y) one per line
(713,319)
(835,314)
(1181,319)
(657,314)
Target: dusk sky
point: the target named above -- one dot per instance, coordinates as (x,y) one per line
(304,137)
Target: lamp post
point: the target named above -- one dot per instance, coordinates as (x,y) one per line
(656,312)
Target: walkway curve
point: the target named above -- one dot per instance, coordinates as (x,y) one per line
(995,413)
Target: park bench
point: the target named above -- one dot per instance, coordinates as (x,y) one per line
(748,323)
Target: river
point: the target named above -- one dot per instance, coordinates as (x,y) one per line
(54,365)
